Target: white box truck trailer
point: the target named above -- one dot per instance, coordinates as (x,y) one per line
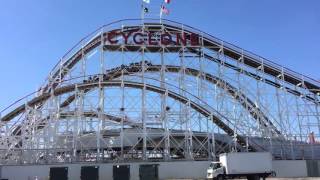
(250,165)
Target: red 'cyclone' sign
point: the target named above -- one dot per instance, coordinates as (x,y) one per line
(153,38)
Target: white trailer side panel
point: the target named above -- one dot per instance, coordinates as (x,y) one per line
(246,163)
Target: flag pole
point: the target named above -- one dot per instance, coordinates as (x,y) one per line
(142,15)
(161,13)
(142,12)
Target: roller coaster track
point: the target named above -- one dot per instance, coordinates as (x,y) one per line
(275,73)
(243,100)
(85,86)
(208,42)
(72,114)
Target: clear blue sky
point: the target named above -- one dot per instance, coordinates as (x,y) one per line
(34,34)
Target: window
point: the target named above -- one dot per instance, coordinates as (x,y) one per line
(215,165)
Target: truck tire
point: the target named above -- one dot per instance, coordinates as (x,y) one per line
(219,177)
(253,177)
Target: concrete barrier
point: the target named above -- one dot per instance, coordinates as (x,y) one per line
(180,169)
(290,168)
(167,170)
(193,170)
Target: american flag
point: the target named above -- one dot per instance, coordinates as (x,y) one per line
(164,10)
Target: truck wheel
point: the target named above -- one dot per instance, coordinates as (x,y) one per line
(219,177)
(254,177)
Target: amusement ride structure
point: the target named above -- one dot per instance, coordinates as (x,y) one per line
(140,90)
